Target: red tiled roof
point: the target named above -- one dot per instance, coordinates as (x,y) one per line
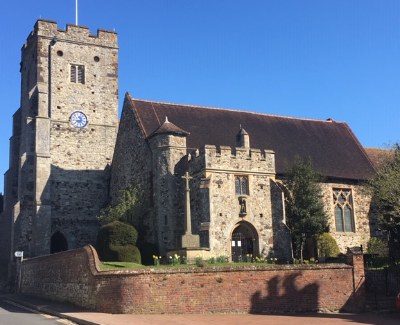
(332,146)
(379,156)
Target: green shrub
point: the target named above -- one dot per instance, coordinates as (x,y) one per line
(116,242)
(378,246)
(127,253)
(327,246)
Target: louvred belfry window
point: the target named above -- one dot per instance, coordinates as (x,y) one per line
(343,207)
(77,74)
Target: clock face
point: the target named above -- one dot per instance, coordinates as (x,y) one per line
(78,119)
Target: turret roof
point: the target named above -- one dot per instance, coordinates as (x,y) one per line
(169,128)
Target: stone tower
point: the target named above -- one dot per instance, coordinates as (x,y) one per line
(63,138)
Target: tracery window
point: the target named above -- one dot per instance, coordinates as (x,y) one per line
(77,74)
(241,185)
(343,207)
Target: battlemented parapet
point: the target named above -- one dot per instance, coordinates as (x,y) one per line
(73,33)
(241,159)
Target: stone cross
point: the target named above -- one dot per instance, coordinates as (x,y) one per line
(189,241)
(188,224)
(187,178)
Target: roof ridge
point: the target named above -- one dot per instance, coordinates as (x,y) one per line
(374,148)
(237,110)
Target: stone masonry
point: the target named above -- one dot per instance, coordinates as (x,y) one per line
(217,204)
(58,176)
(364,221)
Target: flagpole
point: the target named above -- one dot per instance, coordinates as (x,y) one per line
(76,12)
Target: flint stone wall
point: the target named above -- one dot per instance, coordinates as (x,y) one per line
(365,222)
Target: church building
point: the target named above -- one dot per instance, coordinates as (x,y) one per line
(210,176)
(236,160)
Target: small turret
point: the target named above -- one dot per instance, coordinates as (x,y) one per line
(168,146)
(242,139)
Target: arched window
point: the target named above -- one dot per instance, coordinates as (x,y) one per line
(58,243)
(343,207)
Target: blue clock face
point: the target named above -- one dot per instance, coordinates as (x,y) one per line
(78,119)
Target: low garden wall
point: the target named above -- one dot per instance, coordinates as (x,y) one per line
(74,276)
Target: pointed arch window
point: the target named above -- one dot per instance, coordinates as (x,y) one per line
(241,185)
(343,207)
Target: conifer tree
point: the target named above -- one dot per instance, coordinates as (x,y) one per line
(305,212)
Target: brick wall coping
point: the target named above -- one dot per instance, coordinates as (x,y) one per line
(222,269)
(94,265)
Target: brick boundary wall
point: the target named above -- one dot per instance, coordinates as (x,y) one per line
(74,276)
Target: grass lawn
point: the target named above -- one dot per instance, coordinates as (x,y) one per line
(112,266)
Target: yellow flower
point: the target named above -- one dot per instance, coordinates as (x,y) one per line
(160,257)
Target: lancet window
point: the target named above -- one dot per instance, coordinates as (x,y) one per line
(241,185)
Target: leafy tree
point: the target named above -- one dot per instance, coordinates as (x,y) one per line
(131,207)
(385,190)
(378,246)
(305,212)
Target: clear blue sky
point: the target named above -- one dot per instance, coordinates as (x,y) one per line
(314,59)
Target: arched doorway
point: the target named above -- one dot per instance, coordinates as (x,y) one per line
(244,241)
(58,243)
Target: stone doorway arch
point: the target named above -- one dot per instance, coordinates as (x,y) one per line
(58,243)
(244,241)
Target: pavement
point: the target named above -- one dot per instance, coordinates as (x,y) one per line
(83,316)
